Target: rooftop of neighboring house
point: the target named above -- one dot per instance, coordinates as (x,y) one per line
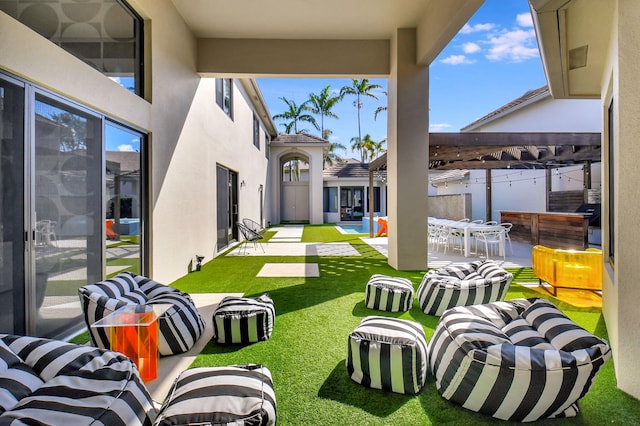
(298,138)
(529,97)
(349,169)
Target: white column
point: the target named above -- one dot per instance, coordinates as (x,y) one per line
(407,154)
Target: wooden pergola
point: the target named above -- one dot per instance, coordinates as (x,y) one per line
(486,150)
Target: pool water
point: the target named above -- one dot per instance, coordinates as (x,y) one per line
(352,229)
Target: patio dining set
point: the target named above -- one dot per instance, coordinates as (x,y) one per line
(466,235)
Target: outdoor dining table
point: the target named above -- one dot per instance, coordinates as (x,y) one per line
(467,229)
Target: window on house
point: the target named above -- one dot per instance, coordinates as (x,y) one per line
(611,184)
(376,199)
(107,35)
(330,196)
(295,170)
(267,140)
(256,132)
(224,95)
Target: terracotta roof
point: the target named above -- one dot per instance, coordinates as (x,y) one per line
(299,138)
(349,170)
(528,97)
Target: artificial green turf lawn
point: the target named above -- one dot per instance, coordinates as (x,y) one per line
(307,351)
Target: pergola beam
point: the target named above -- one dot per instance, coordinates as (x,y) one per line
(513,139)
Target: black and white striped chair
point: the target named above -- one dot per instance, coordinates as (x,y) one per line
(389,354)
(462,285)
(179,327)
(520,360)
(233,395)
(53,382)
(385,293)
(243,319)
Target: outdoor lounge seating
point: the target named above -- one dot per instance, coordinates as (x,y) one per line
(232,395)
(179,327)
(462,284)
(521,360)
(386,293)
(574,269)
(388,354)
(243,319)
(53,382)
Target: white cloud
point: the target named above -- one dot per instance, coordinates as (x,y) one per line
(126,147)
(524,20)
(456,60)
(470,47)
(468,29)
(439,127)
(515,46)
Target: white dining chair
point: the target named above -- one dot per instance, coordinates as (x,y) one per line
(507,227)
(493,238)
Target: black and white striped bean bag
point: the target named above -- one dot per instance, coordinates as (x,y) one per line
(462,285)
(389,354)
(233,395)
(179,327)
(521,360)
(243,319)
(50,382)
(386,293)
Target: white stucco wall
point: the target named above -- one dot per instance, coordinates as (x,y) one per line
(621,294)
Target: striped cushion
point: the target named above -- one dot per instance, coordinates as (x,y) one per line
(385,293)
(233,395)
(17,379)
(462,285)
(243,319)
(389,354)
(82,385)
(180,326)
(497,359)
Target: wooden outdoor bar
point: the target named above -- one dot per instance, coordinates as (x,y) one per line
(568,231)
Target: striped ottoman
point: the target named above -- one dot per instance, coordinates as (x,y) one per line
(243,319)
(522,360)
(462,284)
(233,395)
(389,354)
(391,294)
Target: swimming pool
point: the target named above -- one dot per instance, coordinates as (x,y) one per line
(352,229)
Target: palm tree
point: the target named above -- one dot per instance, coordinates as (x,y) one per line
(332,156)
(379,109)
(295,113)
(322,104)
(372,148)
(360,88)
(357,144)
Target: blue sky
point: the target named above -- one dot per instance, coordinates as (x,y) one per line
(491,61)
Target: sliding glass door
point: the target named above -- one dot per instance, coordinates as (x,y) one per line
(66,205)
(351,202)
(12,208)
(72,197)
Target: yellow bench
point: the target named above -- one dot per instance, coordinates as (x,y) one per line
(568,268)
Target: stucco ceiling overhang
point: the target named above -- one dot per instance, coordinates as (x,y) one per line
(572,37)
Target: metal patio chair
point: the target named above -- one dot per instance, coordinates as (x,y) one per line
(249,236)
